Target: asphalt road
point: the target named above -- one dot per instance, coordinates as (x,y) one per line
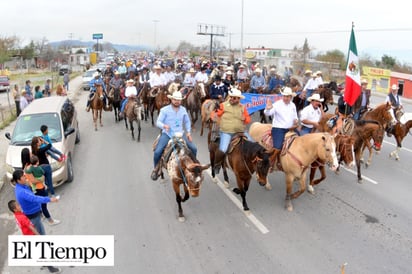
(365,225)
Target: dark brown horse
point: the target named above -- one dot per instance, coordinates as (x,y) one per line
(244,158)
(146,99)
(399,131)
(96,105)
(327,94)
(115,100)
(192,102)
(344,151)
(364,132)
(244,86)
(160,101)
(380,113)
(183,171)
(134,113)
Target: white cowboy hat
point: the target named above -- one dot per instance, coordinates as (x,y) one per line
(394,86)
(116,72)
(308,71)
(314,75)
(258,70)
(191,70)
(229,72)
(157,67)
(315,97)
(241,66)
(130,81)
(177,95)
(288,92)
(364,81)
(95,74)
(318,72)
(236,93)
(273,69)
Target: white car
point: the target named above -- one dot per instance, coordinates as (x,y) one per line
(87,77)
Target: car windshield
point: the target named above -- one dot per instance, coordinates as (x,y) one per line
(28,126)
(89,73)
(3,78)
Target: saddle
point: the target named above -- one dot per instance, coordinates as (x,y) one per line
(154,91)
(236,139)
(289,138)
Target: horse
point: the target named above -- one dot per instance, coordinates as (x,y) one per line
(364,131)
(160,100)
(244,158)
(297,155)
(96,104)
(207,108)
(244,86)
(344,151)
(399,131)
(115,100)
(183,169)
(134,112)
(380,113)
(192,102)
(327,94)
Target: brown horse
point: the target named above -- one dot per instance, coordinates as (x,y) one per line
(244,158)
(160,101)
(96,104)
(380,113)
(134,112)
(244,86)
(192,102)
(344,151)
(115,100)
(207,108)
(327,94)
(364,131)
(146,99)
(183,170)
(399,131)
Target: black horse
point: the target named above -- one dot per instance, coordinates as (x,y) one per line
(115,100)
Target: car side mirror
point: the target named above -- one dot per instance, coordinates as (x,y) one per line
(69,131)
(7,134)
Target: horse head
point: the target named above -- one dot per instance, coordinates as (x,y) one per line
(344,148)
(377,136)
(262,161)
(327,151)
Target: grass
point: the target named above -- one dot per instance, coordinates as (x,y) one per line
(7,121)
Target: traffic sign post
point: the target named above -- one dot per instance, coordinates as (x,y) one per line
(97,37)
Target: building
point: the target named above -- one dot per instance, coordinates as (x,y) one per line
(404,82)
(378,79)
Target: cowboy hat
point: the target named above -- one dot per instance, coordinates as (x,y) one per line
(177,95)
(364,81)
(258,70)
(308,71)
(229,72)
(273,69)
(288,92)
(157,67)
(191,70)
(318,72)
(95,74)
(116,73)
(315,97)
(314,75)
(130,81)
(241,66)
(236,93)
(394,86)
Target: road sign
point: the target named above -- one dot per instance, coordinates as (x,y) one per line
(97,35)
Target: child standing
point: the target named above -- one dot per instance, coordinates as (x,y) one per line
(53,152)
(26,226)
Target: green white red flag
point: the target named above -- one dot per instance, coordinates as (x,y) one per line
(352,82)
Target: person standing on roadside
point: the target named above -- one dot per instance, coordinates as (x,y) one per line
(16,97)
(37,92)
(29,93)
(23,100)
(47,88)
(66,79)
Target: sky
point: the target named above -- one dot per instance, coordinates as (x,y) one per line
(380,28)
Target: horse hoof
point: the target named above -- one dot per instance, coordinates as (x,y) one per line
(268,186)
(214,180)
(397,158)
(182,219)
(226,184)
(247,212)
(361,160)
(311,190)
(360,181)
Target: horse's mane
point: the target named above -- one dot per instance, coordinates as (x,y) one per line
(364,122)
(252,148)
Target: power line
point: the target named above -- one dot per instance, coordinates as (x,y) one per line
(323,32)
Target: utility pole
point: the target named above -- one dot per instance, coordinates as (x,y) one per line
(155,34)
(211,30)
(241,37)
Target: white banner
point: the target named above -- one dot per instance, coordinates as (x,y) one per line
(61,250)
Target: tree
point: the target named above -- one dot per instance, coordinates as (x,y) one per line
(305,50)
(28,51)
(333,56)
(184,47)
(7,47)
(388,61)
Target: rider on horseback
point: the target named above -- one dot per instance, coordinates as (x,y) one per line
(396,103)
(172,119)
(97,80)
(189,82)
(130,91)
(234,118)
(218,90)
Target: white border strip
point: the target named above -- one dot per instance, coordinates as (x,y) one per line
(262,228)
(363,176)
(392,144)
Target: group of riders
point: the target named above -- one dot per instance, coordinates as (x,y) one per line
(218,82)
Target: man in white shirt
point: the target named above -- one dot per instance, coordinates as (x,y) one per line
(157,79)
(319,78)
(130,91)
(310,115)
(201,79)
(189,82)
(169,75)
(310,87)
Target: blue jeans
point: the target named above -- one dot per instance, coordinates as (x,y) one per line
(278,136)
(66,85)
(305,130)
(124,102)
(225,139)
(36,221)
(48,178)
(161,145)
(54,153)
(43,193)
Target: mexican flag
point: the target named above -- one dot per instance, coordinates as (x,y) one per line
(352,83)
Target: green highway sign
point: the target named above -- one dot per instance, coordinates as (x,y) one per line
(97,35)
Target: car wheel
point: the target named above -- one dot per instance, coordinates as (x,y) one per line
(77,135)
(70,173)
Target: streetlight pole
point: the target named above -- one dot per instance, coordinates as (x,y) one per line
(155,34)
(241,37)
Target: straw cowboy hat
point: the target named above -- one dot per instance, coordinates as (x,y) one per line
(23,92)
(116,73)
(364,81)
(315,97)
(394,86)
(236,93)
(157,67)
(258,70)
(288,92)
(191,70)
(177,95)
(241,66)
(130,81)
(318,72)
(308,71)
(229,72)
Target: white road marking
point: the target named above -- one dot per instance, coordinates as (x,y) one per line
(393,144)
(262,228)
(363,176)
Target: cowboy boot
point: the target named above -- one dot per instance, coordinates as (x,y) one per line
(219,158)
(275,159)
